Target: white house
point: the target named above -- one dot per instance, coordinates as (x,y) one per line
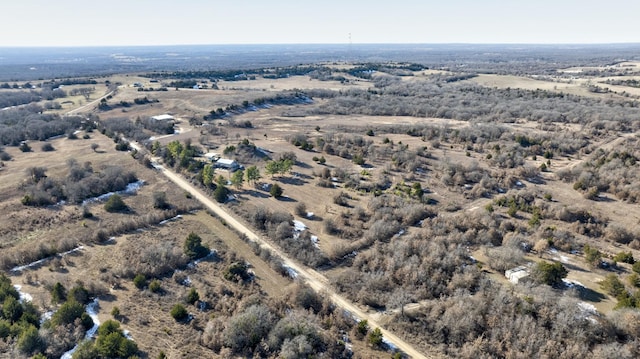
(516,274)
(227,164)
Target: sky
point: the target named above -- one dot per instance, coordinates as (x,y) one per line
(186,22)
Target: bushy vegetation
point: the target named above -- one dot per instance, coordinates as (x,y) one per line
(193,247)
(82,182)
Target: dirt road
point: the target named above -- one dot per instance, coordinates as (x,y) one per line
(86,106)
(314,279)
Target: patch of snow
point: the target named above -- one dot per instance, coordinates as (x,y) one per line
(39,262)
(299,226)
(400,232)
(131,188)
(46,316)
(519,184)
(389,344)
(127,334)
(266,186)
(310,215)
(587,307)
(314,240)
(92,310)
(24,297)
(197,261)
(290,271)
(572,283)
(473,260)
(564,259)
(171,219)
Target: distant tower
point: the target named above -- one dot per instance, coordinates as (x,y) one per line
(349,56)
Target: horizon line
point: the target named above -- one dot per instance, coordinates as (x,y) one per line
(329,43)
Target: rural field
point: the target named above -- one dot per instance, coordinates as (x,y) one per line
(327,210)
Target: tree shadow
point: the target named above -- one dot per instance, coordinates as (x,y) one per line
(256,194)
(302,164)
(286,199)
(293,181)
(315,218)
(590,295)
(573,267)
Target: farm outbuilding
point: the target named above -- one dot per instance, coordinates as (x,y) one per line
(516,274)
(227,164)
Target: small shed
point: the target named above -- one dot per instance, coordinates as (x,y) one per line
(227,164)
(514,275)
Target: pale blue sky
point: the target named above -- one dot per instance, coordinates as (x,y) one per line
(168,22)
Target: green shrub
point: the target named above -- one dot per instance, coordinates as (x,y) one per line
(624,257)
(193,247)
(80,294)
(30,341)
(115,204)
(140,281)
(67,313)
(58,293)
(221,193)
(179,312)
(592,256)
(193,296)
(155,286)
(115,312)
(549,273)
(236,271)
(375,337)
(276,191)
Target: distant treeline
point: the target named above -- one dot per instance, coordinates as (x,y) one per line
(360,70)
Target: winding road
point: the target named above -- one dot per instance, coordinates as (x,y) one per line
(315,280)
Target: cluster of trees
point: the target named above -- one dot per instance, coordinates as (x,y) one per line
(164,127)
(19,321)
(300,325)
(17,98)
(492,321)
(279,167)
(110,343)
(82,182)
(470,102)
(608,170)
(29,123)
(279,227)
